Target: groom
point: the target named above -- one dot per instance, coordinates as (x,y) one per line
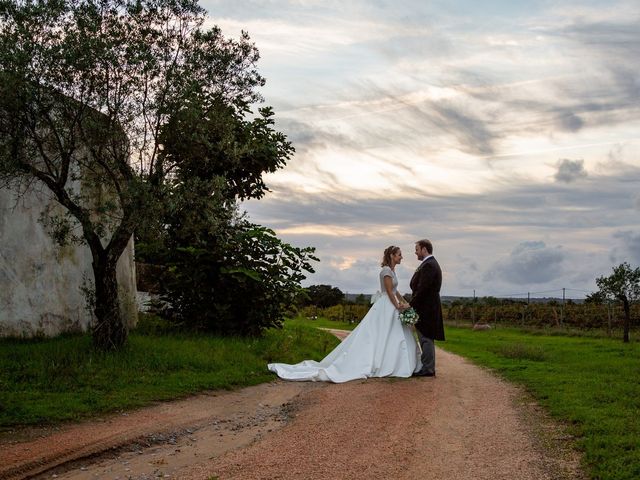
(425,287)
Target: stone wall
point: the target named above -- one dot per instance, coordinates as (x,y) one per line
(41,284)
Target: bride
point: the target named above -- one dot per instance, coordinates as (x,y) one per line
(380,346)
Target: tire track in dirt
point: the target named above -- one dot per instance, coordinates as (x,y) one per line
(465,423)
(250,410)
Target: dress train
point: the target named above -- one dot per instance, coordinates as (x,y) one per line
(380,346)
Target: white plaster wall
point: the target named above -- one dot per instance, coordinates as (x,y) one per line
(40,282)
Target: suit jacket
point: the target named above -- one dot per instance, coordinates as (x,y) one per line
(425,287)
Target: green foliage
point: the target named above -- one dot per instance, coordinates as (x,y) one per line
(241,285)
(589,383)
(64,378)
(322,296)
(586,316)
(596,298)
(141,103)
(216,140)
(345,313)
(321,322)
(223,274)
(362,299)
(622,285)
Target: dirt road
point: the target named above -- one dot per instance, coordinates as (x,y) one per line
(463,424)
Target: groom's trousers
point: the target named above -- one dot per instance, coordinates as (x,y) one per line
(428,353)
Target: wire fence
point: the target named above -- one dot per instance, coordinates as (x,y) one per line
(553,314)
(522,309)
(563,293)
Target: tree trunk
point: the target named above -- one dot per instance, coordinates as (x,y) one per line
(627,319)
(109,332)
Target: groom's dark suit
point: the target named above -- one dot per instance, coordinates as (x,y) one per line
(425,286)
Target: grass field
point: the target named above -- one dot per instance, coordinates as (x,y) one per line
(591,384)
(321,323)
(52,380)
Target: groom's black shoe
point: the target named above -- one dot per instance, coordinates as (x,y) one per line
(424,374)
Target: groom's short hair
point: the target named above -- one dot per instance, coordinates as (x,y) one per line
(424,243)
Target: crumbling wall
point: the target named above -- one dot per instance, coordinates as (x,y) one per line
(42,285)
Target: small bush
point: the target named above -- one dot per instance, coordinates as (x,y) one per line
(240,288)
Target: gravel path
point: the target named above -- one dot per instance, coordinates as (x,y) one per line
(463,424)
(150,442)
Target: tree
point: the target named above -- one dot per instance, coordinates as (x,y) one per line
(241,287)
(361,299)
(595,298)
(122,94)
(223,274)
(622,285)
(491,301)
(324,296)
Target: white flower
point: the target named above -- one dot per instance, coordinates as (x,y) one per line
(409,316)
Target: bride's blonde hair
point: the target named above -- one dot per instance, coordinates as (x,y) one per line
(386,256)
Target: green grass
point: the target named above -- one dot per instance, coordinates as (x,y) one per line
(591,384)
(322,322)
(54,380)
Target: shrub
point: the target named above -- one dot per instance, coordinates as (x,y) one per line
(240,287)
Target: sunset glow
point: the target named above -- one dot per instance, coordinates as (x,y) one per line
(501,131)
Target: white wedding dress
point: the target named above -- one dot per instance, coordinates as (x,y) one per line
(380,346)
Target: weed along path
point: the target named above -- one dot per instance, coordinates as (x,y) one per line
(465,423)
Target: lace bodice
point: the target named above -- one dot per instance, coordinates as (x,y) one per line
(387,272)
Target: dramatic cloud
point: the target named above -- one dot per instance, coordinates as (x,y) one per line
(529,263)
(627,248)
(470,232)
(570,170)
(448,120)
(571,122)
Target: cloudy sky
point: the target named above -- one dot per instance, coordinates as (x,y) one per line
(504,131)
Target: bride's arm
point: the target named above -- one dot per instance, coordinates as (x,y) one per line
(388,286)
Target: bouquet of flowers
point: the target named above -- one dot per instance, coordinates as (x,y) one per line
(409,316)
